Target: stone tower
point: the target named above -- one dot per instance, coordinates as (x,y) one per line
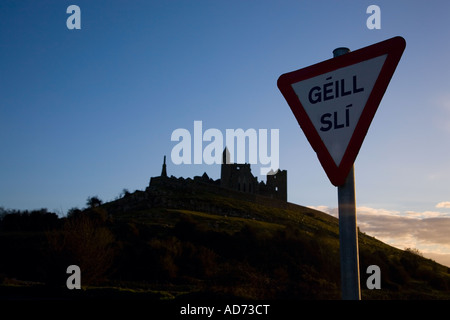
(277,184)
(237,176)
(164,170)
(225,169)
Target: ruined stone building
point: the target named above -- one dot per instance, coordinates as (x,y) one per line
(238,177)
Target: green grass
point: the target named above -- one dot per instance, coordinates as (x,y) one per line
(226,224)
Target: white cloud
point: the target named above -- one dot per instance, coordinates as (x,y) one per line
(373,211)
(427,231)
(444,204)
(424,214)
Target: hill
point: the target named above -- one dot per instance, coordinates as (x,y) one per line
(182,238)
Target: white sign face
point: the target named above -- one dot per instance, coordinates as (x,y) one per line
(334,101)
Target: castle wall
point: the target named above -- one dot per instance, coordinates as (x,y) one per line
(237,177)
(161,190)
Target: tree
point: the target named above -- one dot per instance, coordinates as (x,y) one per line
(84,243)
(414,251)
(125,193)
(3,213)
(93,202)
(73,212)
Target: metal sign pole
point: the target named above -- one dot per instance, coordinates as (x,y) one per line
(348,232)
(348,239)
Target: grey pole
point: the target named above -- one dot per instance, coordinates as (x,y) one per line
(348,239)
(348,233)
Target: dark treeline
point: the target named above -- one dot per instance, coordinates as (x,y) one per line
(25,220)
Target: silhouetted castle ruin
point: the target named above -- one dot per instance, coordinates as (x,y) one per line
(239,177)
(236,177)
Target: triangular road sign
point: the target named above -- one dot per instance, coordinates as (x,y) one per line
(335,101)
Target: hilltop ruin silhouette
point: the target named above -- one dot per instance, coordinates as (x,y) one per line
(234,176)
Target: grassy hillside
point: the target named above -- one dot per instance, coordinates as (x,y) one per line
(174,242)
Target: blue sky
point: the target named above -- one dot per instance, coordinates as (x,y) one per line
(91,111)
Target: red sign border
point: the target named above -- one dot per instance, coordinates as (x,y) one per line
(394,48)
